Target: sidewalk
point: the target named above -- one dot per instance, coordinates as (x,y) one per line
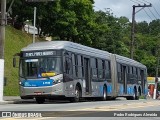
(14,99)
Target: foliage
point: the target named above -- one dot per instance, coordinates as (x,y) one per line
(15,41)
(76,20)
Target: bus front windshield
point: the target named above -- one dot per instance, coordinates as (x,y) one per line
(40,67)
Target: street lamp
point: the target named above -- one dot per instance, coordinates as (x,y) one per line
(35,9)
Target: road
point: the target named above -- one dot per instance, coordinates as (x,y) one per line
(88,109)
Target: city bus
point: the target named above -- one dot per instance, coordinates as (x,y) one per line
(73,71)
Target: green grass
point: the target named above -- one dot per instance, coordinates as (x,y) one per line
(142,97)
(15,40)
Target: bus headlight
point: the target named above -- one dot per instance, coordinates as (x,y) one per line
(57,80)
(20,82)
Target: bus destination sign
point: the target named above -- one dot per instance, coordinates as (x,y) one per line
(39,53)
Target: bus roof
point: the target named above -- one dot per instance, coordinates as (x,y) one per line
(78,48)
(67,45)
(125,60)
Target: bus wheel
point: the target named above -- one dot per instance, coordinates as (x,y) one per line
(104,94)
(134,95)
(40,100)
(137,96)
(128,98)
(77,95)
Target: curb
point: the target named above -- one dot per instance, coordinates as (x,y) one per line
(6,102)
(17,102)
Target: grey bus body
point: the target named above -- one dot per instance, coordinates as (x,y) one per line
(78,72)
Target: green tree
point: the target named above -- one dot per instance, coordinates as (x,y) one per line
(154,27)
(142,27)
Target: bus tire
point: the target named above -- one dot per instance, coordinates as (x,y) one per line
(77,95)
(40,100)
(134,95)
(104,98)
(128,98)
(137,96)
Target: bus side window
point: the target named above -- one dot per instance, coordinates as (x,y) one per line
(94,68)
(108,70)
(79,67)
(100,73)
(74,65)
(119,72)
(82,66)
(68,62)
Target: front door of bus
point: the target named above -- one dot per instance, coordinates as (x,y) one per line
(87,75)
(124,77)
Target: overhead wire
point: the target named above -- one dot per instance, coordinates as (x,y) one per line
(146,1)
(152,13)
(134,1)
(148,14)
(140,1)
(156,11)
(150,10)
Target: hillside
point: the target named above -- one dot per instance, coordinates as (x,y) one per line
(15,40)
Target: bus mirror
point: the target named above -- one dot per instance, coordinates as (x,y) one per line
(15,60)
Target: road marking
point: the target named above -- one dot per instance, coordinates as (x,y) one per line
(100,108)
(118,107)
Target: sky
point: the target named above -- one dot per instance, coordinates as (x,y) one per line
(124,8)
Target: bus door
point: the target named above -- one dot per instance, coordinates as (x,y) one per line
(142,80)
(114,75)
(87,75)
(124,78)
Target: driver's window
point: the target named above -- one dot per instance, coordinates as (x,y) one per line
(68,63)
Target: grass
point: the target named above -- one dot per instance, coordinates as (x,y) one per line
(15,40)
(142,97)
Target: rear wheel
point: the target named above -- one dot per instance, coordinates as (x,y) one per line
(104,94)
(133,97)
(40,100)
(137,96)
(128,98)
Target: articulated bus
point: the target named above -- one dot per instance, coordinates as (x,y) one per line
(65,69)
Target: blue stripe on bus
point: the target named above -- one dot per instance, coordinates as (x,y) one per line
(101,90)
(37,83)
(109,89)
(121,89)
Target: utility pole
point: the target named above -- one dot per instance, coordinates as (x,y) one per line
(2,38)
(157,71)
(133,27)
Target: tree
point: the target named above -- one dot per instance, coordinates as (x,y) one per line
(20,12)
(154,27)
(142,27)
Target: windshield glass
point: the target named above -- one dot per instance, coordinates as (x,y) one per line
(41,67)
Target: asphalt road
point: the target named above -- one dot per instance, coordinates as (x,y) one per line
(99,110)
